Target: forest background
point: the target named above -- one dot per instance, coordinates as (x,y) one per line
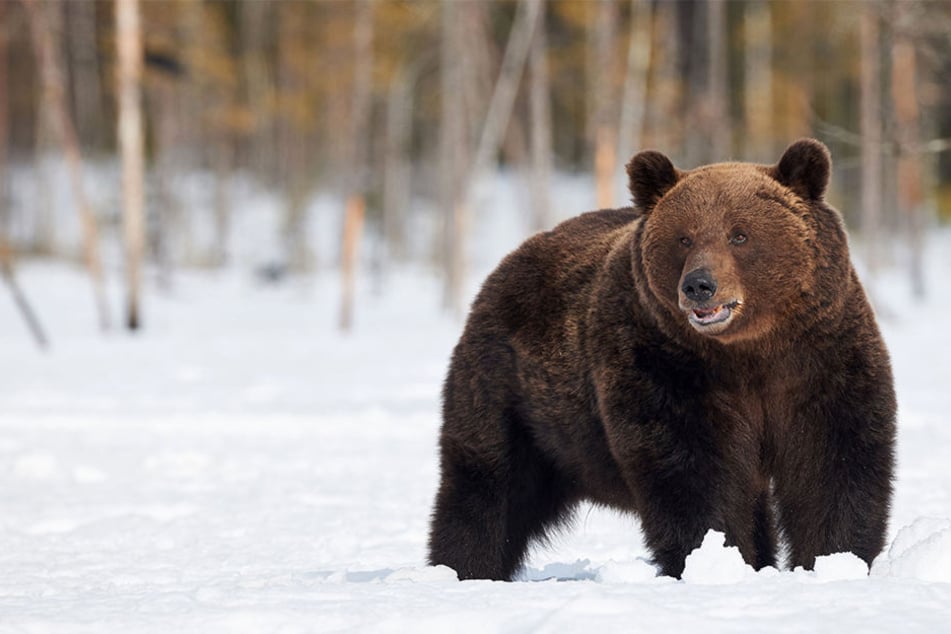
(388,119)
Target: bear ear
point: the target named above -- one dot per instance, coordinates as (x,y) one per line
(650,175)
(804,168)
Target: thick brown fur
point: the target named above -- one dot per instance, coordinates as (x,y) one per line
(594,366)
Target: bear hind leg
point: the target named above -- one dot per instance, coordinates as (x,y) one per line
(488,511)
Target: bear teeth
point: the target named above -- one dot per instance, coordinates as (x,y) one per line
(715,315)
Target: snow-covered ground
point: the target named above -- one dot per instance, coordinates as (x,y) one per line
(240,466)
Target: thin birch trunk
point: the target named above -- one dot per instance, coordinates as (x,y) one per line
(4,129)
(453,149)
(397,170)
(255,18)
(634,96)
(541,140)
(605,135)
(664,130)
(132,152)
(910,195)
(163,97)
(49,61)
(84,70)
(222,160)
(353,220)
(355,208)
(871,126)
(506,87)
(19,298)
(758,91)
(718,115)
(496,121)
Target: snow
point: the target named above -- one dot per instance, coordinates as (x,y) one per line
(920,551)
(240,466)
(715,563)
(839,567)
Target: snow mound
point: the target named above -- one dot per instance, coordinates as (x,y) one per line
(714,563)
(920,551)
(840,567)
(637,571)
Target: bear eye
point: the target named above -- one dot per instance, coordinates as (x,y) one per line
(686,241)
(738,238)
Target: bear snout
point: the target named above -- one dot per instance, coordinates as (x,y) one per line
(699,285)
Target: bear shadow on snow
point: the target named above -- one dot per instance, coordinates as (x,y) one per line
(705,359)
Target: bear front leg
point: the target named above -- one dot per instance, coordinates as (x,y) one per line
(674,480)
(833,481)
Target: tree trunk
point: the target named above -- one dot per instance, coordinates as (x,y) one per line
(397,170)
(350,251)
(605,135)
(634,97)
(718,122)
(162,96)
(871,126)
(223,158)
(44,228)
(541,141)
(256,20)
(506,87)
(459,180)
(355,207)
(758,91)
(84,71)
(49,60)
(664,129)
(453,150)
(6,271)
(132,152)
(477,48)
(910,196)
(5,219)
(694,73)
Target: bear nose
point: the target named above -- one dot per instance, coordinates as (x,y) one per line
(699,285)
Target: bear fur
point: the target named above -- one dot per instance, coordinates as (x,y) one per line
(706,360)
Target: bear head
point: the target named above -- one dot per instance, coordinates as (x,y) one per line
(733,250)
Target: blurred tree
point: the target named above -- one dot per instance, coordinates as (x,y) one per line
(49,58)
(905,99)
(604,101)
(264,94)
(81,40)
(871,130)
(164,77)
(540,117)
(19,298)
(4,127)
(718,123)
(634,97)
(295,101)
(257,21)
(758,85)
(490,138)
(453,152)
(665,122)
(356,156)
(45,147)
(131,151)
(405,56)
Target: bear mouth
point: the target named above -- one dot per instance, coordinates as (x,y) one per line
(712,319)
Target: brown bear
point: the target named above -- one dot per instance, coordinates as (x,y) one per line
(706,360)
